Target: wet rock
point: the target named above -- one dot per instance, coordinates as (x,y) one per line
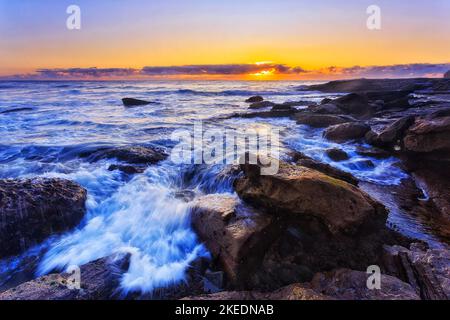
(233,232)
(128,169)
(130,154)
(261,104)
(319,120)
(342,207)
(254,99)
(185,195)
(362,165)
(428,136)
(326,100)
(427,270)
(336,154)
(393,134)
(327,108)
(373,152)
(100,280)
(16,110)
(346,131)
(325,168)
(131,102)
(345,284)
(33,209)
(447,75)
(355,104)
(296,291)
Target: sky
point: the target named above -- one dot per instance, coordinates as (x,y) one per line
(289,39)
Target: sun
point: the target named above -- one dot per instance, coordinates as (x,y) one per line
(263,73)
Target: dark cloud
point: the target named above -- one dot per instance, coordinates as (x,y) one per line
(220,69)
(392,71)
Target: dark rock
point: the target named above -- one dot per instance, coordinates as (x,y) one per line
(325,168)
(336,154)
(318,120)
(129,154)
(355,104)
(345,284)
(254,99)
(346,131)
(100,280)
(16,110)
(428,136)
(327,108)
(261,104)
(361,165)
(130,102)
(373,152)
(427,271)
(447,75)
(128,169)
(33,209)
(185,195)
(326,100)
(393,134)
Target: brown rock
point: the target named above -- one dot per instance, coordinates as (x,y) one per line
(129,154)
(33,209)
(99,281)
(261,104)
(336,154)
(346,131)
(254,99)
(393,134)
(345,284)
(319,120)
(302,191)
(428,271)
(428,135)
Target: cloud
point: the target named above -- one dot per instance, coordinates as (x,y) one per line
(220,69)
(293,72)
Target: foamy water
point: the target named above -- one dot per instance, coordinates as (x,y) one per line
(140,214)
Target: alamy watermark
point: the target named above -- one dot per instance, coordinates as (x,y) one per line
(374,20)
(73,21)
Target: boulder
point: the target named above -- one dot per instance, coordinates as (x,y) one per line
(336,154)
(393,134)
(427,270)
(346,131)
(131,102)
(233,232)
(254,99)
(130,154)
(326,100)
(100,280)
(340,206)
(428,136)
(128,169)
(353,103)
(261,104)
(345,284)
(319,120)
(33,209)
(327,108)
(447,75)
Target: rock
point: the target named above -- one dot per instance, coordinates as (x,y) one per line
(318,120)
(447,75)
(33,209)
(325,101)
(185,195)
(355,104)
(296,291)
(100,280)
(393,134)
(427,270)
(130,154)
(16,110)
(254,99)
(428,136)
(131,102)
(325,168)
(327,108)
(336,154)
(373,152)
(261,104)
(128,169)
(232,231)
(345,284)
(346,131)
(361,165)
(342,207)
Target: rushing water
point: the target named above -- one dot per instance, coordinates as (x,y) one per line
(141,213)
